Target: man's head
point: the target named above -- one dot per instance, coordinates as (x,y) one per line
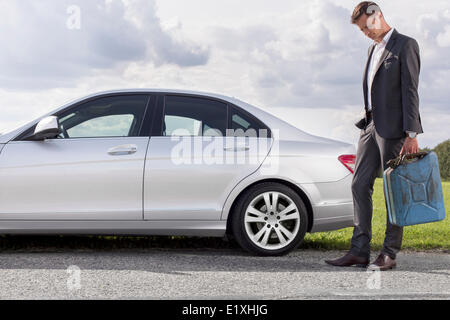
(370,20)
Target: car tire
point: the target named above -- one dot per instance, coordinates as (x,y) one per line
(269,219)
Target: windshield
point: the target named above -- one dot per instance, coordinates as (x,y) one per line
(8,128)
(5,131)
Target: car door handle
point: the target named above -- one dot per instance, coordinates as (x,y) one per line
(123,150)
(237,149)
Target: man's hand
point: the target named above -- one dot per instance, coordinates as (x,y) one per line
(410,146)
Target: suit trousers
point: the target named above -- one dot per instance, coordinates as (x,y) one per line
(373,153)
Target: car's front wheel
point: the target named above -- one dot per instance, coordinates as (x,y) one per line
(269,219)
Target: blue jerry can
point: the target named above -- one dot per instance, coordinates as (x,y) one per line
(413,191)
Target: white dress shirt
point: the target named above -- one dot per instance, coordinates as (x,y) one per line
(376,56)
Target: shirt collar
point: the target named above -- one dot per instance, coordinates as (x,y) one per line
(386,38)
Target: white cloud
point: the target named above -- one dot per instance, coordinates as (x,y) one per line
(302,60)
(443,38)
(40,51)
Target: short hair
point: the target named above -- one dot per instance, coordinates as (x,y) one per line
(366,7)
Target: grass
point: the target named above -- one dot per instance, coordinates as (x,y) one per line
(431,236)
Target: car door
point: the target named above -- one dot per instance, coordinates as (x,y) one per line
(92,171)
(196,159)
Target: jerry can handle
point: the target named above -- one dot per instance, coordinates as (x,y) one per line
(405,158)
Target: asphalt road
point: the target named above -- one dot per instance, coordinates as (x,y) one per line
(214,274)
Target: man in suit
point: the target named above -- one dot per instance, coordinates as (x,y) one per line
(389,128)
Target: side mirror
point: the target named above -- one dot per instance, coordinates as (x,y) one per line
(47,128)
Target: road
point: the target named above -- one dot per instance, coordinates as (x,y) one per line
(214,274)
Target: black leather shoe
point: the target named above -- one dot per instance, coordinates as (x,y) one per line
(349,260)
(382,263)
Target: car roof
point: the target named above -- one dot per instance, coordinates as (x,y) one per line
(162,91)
(288,131)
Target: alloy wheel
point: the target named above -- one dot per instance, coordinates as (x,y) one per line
(272,220)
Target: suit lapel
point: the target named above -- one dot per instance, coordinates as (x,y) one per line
(386,51)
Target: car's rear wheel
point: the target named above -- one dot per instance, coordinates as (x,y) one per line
(269,219)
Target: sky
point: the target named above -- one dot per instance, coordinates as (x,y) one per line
(300,60)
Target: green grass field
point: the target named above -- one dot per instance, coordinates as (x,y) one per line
(421,237)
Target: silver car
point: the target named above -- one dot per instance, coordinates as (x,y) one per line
(171,162)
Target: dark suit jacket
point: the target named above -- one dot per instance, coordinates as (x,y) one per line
(395,98)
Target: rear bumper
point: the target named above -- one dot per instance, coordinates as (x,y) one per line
(340,216)
(332,204)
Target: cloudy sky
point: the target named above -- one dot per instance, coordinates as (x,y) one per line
(300,60)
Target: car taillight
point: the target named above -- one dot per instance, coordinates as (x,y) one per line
(349,161)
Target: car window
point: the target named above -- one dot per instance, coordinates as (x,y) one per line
(118,125)
(245,125)
(118,116)
(188,116)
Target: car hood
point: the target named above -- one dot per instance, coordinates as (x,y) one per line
(5,138)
